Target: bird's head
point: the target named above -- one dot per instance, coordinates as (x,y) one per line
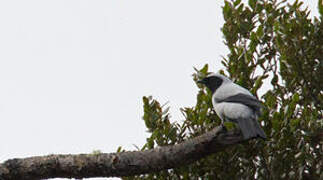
(214,81)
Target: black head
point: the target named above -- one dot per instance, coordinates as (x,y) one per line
(212,82)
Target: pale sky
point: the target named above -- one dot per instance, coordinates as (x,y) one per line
(73,72)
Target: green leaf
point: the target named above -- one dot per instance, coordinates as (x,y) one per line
(276,121)
(258,84)
(237,2)
(252,3)
(150,143)
(229,125)
(320,7)
(295,98)
(119,149)
(227,10)
(260,31)
(204,70)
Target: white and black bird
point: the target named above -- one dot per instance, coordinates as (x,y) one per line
(236,104)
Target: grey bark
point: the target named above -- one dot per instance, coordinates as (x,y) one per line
(119,164)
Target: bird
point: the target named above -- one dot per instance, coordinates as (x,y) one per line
(236,104)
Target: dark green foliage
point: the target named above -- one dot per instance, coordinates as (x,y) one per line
(272,44)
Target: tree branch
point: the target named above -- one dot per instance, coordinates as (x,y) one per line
(119,164)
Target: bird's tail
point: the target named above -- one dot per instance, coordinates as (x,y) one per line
(251,128)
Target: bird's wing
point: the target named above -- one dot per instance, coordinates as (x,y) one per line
(245,99)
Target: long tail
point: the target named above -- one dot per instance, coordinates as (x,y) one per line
(251,128)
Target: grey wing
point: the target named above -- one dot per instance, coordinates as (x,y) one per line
(245,99)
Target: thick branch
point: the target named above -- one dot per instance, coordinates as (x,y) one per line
(119,164)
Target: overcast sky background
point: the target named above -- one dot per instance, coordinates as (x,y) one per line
(73,72)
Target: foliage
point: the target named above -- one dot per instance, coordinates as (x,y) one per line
(274,48)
